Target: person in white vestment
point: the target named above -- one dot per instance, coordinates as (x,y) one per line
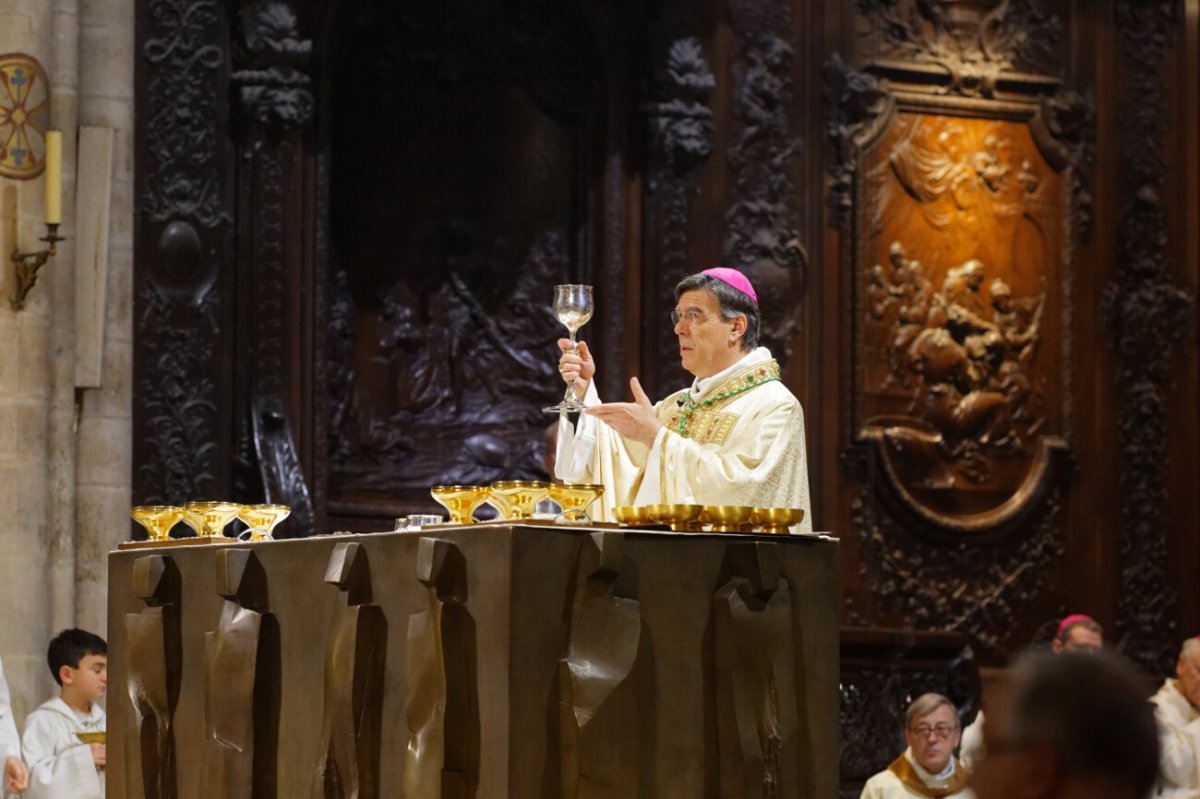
(1076,632)
(928,766)
(1177,709)
(1068,726)
(735,437)
(61,764)
(16,775)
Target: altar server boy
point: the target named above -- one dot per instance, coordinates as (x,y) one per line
(66,761)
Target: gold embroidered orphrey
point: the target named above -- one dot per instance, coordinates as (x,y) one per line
(704,422)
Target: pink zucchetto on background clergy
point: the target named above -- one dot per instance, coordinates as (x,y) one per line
(733,277)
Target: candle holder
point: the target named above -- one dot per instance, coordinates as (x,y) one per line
(27,265)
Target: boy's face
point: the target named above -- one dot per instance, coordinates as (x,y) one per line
(90,680)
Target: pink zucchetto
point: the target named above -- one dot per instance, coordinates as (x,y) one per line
(1073,619)
(734,278)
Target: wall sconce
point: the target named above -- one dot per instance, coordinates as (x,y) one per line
(27,264)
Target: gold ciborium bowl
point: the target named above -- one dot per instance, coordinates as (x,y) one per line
(517,498)
(98,737)
(776,520)
(460,501)
(263,519)
(629,514)
(213,517)
(574,500)
(728,518)
(157,519)
(679,517)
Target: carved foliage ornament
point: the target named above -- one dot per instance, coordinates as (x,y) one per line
(274,89)
(762,237)
(181,132)
(973,41)
(859,108)
(1149,314)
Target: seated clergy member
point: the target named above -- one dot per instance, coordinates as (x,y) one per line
(928,767)
(1071,726)
(735,437)
(1076,632)
(1177,709)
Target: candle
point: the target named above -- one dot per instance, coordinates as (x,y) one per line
(53,177)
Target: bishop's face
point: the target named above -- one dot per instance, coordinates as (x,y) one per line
(708,343)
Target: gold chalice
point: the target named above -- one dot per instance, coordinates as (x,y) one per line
(518,497)
(728,518)
(193,519)
(460,501)
(679,517)
(574,500)
(213,517)
(262,519)
(157,519)
(776,520)
(628,514)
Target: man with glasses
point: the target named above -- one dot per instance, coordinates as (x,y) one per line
(928,766)
(735,437)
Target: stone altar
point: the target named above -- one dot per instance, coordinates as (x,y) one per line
(496,660)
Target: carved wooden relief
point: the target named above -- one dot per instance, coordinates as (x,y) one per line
(961,365)
(242,684)
(153,664)
(441,268)
(958,156)
(604,679)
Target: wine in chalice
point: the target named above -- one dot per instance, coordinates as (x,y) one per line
(573,307)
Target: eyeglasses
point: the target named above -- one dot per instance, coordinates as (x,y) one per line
(693,316)
(940,730)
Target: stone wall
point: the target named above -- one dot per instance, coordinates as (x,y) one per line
(64,450)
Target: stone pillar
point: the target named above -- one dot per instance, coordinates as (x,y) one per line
(104,468)
(27,385)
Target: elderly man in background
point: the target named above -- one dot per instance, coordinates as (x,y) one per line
(735,437)
(1068,726)
(1076,632)
(1177,709)
(928,766)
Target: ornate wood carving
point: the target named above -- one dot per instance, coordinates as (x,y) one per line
(682,136)
(762,237)
(1148,313)
(183,223)
(970,46)
(956,156)
(274,89)
(979,590)
(276,101)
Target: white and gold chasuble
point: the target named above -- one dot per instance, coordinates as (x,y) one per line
(736,438)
